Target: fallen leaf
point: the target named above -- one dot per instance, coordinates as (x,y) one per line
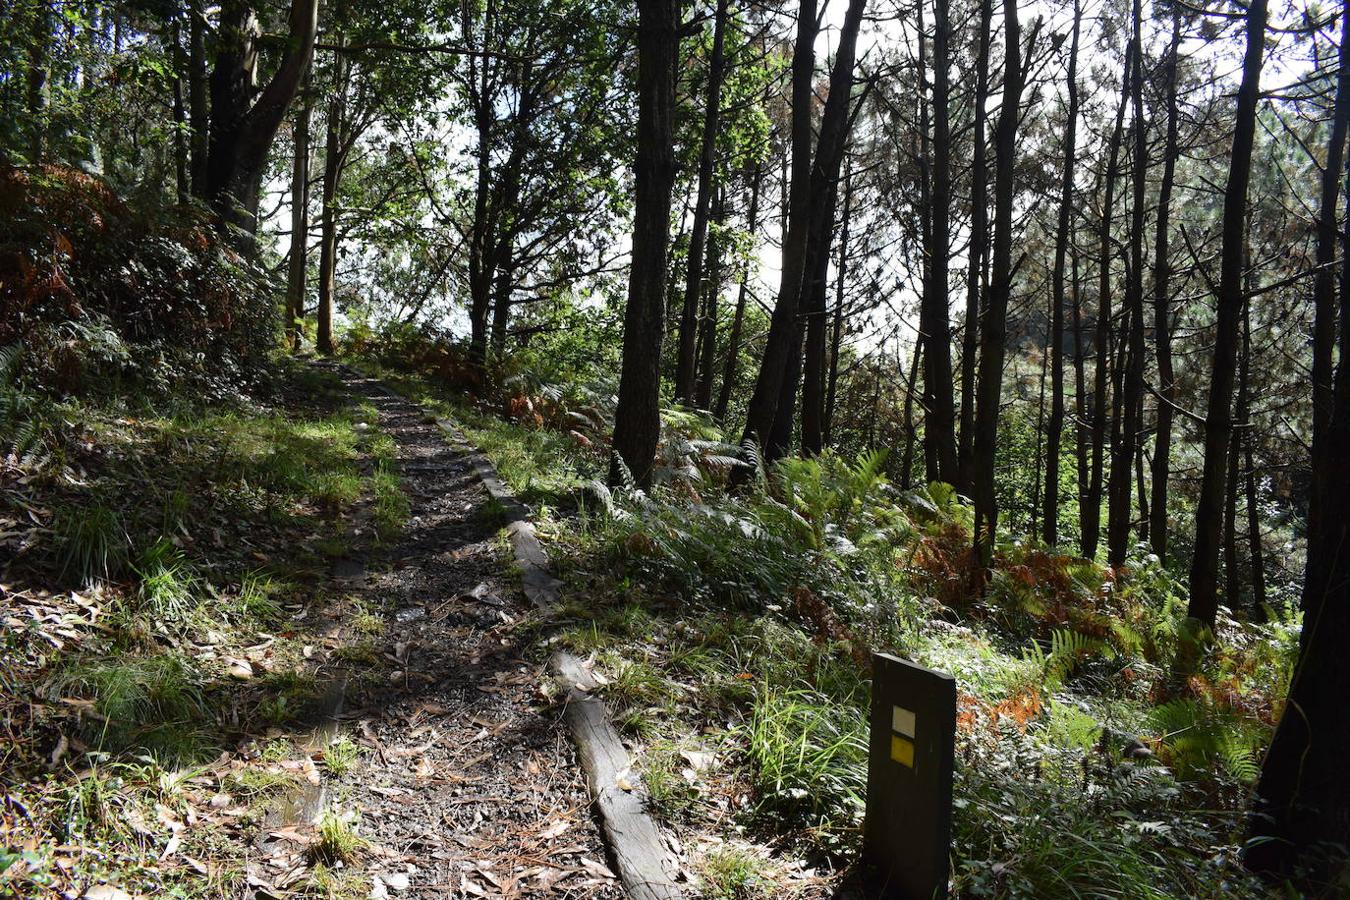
(105,892)
(596,868)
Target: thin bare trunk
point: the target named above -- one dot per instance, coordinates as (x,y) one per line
(686,361)
(1055,428)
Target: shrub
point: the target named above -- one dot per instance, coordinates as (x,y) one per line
(104,291)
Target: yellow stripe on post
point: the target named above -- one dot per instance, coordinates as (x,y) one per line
(902,750)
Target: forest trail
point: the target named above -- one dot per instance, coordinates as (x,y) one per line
(468,785)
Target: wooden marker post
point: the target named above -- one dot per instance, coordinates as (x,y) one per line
(908,824)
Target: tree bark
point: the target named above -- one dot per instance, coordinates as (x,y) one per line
(1324,279)
(1055,427)
(939,429)
(993,326)
(979,243)
(1119,506)
(712,289)
(686,362)
(1091,511)
(738,320)
(333,164)
(199,113)
(295,291)
(1304,789)
(1219,414)
(637,421)
(241,134)
(1162,314)
(837,331)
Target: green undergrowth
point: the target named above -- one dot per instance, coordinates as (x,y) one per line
(163,617)
(732,635)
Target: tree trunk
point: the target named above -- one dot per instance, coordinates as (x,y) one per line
(1324,279)
(686,363)
(38,50)
(1304,789)
(708,319)
(198,110)
(738,320)
(939,429)
(979,244)
(1162,314)
(993,326)
(925,216)
(182,184)
(1091,511)
(835,123)
(505,282)
(907,462)
(1119,508)
(482,239)
(1246,439)
(818,214)
(1035,507)
(814,290)
(837,332)
(1219,414)
(1055,427)
(637,421)
(333,163)
(241,134)
(1082,429)
(780,436)
(763,408)
(295,291)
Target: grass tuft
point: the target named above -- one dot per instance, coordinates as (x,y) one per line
(91,542)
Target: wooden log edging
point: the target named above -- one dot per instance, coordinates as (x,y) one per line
(646,866)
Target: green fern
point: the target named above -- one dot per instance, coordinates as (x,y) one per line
(1238,758)
(1068,650)
(19,434)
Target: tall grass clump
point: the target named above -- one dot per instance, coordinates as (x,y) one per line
(91,542)
(168,584)
(156,703)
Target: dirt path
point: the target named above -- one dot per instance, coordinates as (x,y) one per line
(467,785)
